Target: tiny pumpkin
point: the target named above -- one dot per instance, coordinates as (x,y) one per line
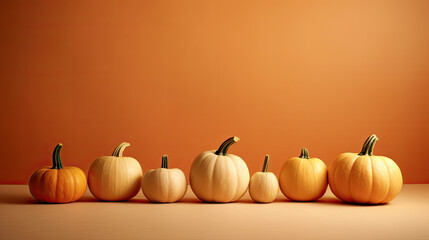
(217,176)
(115,178)
(164,185)
(365,178)
(58,184)
(264,186)
(303,178)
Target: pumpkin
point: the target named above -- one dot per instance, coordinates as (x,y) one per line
(303,178)
(58,184)
(217,176)
(115,178)
(264,186)
(164,185)
(365,178)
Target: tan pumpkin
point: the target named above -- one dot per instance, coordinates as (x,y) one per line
(58,184)
(303,178)
(365,178)
(164,185)
(217,176)
(264,186)
(115,178)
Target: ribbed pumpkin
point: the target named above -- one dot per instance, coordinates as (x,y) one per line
(264,186)
(365,178)
(58,184)
(115,178)
(217,176)
(164,185)
(303,178)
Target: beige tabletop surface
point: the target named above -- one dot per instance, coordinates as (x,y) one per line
(406,217)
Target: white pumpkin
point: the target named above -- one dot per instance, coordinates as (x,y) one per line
(115,178)
(264,186)
(164,185)
(217,176)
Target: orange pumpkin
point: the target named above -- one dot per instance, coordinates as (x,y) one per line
(365,178)
(58,184)
(303,178)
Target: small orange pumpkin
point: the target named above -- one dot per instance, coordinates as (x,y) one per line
(365,178)
(58,184)
(303,178)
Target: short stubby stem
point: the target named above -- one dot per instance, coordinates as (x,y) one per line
(164,163)
(304,153)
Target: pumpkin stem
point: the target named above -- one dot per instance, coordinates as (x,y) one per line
(223,149)
(304,153)
(56,158)
(266,162)
(164,163)
(371,145)
(119,150)
(366,144)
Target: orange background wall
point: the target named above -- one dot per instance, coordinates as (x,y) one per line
(179,77)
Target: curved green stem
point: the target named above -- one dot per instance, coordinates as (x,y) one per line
(56,158)
(223,149)
(266,162)
(164,163)
(371,145)
(119,150)
(365,145)
(304,153)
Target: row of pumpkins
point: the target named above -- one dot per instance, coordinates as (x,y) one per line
(217,176)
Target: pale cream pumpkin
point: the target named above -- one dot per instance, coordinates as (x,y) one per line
(264,186)
(164,185)
(115,178)
(364,178)
(303,178)
(217,176)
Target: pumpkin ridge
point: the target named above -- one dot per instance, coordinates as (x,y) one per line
(297,166)
(234,196)
(126,170)
(73,182)
(390,182)
(198,164)
(351,169)
(387,192)
(38,190)
(212,182)
(365,163)
(372,180)
(169,186)
(314,177)
(56,185)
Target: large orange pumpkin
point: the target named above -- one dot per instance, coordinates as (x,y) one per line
(365,178)
(58,184)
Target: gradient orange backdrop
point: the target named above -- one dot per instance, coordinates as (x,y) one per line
(179,77)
